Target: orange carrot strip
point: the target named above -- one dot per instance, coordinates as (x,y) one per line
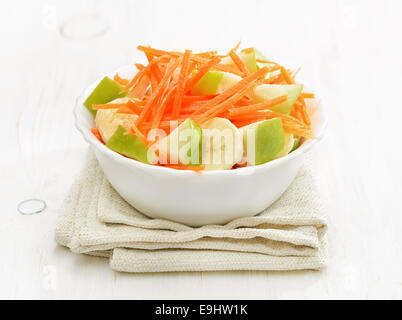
(307,95)
(258,106)
(142,71)
(190,99)
(233,89)
(183,167)
(228,68)
(222,107)
(238,62)
(201,72)
(181,84)
(267,61)
(303,111)
(165,124)
(248,116)
(136,78)
(135,106)
(237,46)
(141,88)
(162,106)
(290,124)
(108,106)
(158,92)
(274,79)
(96,133)
(119,80)
(157,71)
(286,76)
(156,52)
(137,132)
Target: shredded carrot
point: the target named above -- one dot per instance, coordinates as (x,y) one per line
(267,61)
(108,106)
(181,86)
(138,133)
(156,52)
(143,71)
(307,95)
(258,106)
(286,76)
(183,167)
(190,99)
(232,90)
(119,80)
(140,89)
(222,107)
(158,92)
(231,68)
(162,106)
(96,133)
(276,79)
(237,46)
(290,124)
(303,111)
(238,62)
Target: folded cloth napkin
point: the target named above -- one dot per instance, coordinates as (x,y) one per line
(289,235)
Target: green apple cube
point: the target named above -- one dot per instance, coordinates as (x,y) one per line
(266,92)
(131,146)
(267,139)
(249,59)
(215,82)
(260,56)
(208,84)
(183,145)
(106,91)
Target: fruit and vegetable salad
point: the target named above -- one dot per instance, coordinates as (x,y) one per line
(202,111)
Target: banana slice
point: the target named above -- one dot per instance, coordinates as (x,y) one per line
(108,120)
(222,144)
(289,143)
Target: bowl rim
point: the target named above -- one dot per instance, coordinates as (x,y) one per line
(94,142)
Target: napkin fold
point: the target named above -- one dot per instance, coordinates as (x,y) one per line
(289,235)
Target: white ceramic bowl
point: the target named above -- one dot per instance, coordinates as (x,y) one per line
(195,199)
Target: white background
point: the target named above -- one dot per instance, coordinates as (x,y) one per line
(351,54)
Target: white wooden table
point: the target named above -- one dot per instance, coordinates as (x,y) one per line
(350,52)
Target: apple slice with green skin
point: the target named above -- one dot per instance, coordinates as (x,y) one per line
(183,145)
(131,146)
(287,148)
(214,82)
(208,84)
(263,140)
(266,92)
(248,57)
(106,91)
(108,120)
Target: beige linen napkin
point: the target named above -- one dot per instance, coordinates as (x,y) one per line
(289,235)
